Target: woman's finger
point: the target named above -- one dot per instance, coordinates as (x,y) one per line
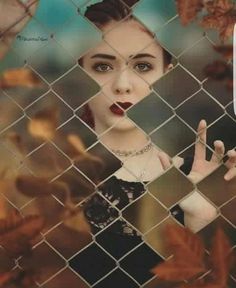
(165,160)
(219,152)
(231,162)
(200,146)
(230,174)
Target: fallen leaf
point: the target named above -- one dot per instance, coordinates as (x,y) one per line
(19,77)
(188,10)
(177,270)
(188,251)
(185,244)
(218,7)
(44,123)
(17,232)
(222,17)
(181,267)
(220,258)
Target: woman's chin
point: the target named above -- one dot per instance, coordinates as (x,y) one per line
(123,124)
(118,124)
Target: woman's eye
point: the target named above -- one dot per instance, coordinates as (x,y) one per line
(102,67)
(143,67)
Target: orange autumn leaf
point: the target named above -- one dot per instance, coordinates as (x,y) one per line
(185,244)
(188,10)
(182,267)
(19,77)
(218,7)
(188,251)
(220,258)
(44,123)
(222,17)
(17,232)
(177,270)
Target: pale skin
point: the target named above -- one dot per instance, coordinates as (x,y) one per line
(126,64)
(121,80)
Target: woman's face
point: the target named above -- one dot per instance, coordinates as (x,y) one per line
(124,64)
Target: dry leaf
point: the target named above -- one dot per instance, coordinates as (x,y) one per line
(17,232)
(222,16)
(187,261)
(185,244)
(218,7)
(188,10)
(44,123)
(19,77)
(181,242)
(220,258)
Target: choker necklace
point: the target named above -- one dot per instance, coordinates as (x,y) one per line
(133,152)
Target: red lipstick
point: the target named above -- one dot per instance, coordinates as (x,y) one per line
(115,109)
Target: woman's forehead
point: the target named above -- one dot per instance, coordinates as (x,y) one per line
(127,39)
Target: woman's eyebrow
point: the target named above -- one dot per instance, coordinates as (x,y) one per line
(104,56)
(141,55)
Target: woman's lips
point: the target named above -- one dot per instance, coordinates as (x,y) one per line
(115,109)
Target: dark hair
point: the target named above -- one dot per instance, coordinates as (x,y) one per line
(106,11)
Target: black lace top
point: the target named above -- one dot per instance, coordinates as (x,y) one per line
(116,239)
(100,213)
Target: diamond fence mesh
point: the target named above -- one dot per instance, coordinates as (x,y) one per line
(53,163)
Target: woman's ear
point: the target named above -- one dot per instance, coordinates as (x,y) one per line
(169,67)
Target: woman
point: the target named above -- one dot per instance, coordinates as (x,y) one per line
(125,64)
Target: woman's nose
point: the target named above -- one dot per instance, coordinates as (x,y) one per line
(122,83)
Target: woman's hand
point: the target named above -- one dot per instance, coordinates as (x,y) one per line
(201,167)
(14,14)
(198,211)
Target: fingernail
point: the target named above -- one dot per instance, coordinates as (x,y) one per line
(226,177)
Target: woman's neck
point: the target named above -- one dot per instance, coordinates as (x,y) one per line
(130,140)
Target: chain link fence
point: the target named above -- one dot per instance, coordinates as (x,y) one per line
(44,137)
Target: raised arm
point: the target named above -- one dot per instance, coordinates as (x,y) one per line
(198,211)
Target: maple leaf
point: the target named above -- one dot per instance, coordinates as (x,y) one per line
(187,261)
(182,241)
(220,258)
(188,10)
(17,232)
(222,16)
(19,77)
(218,7)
